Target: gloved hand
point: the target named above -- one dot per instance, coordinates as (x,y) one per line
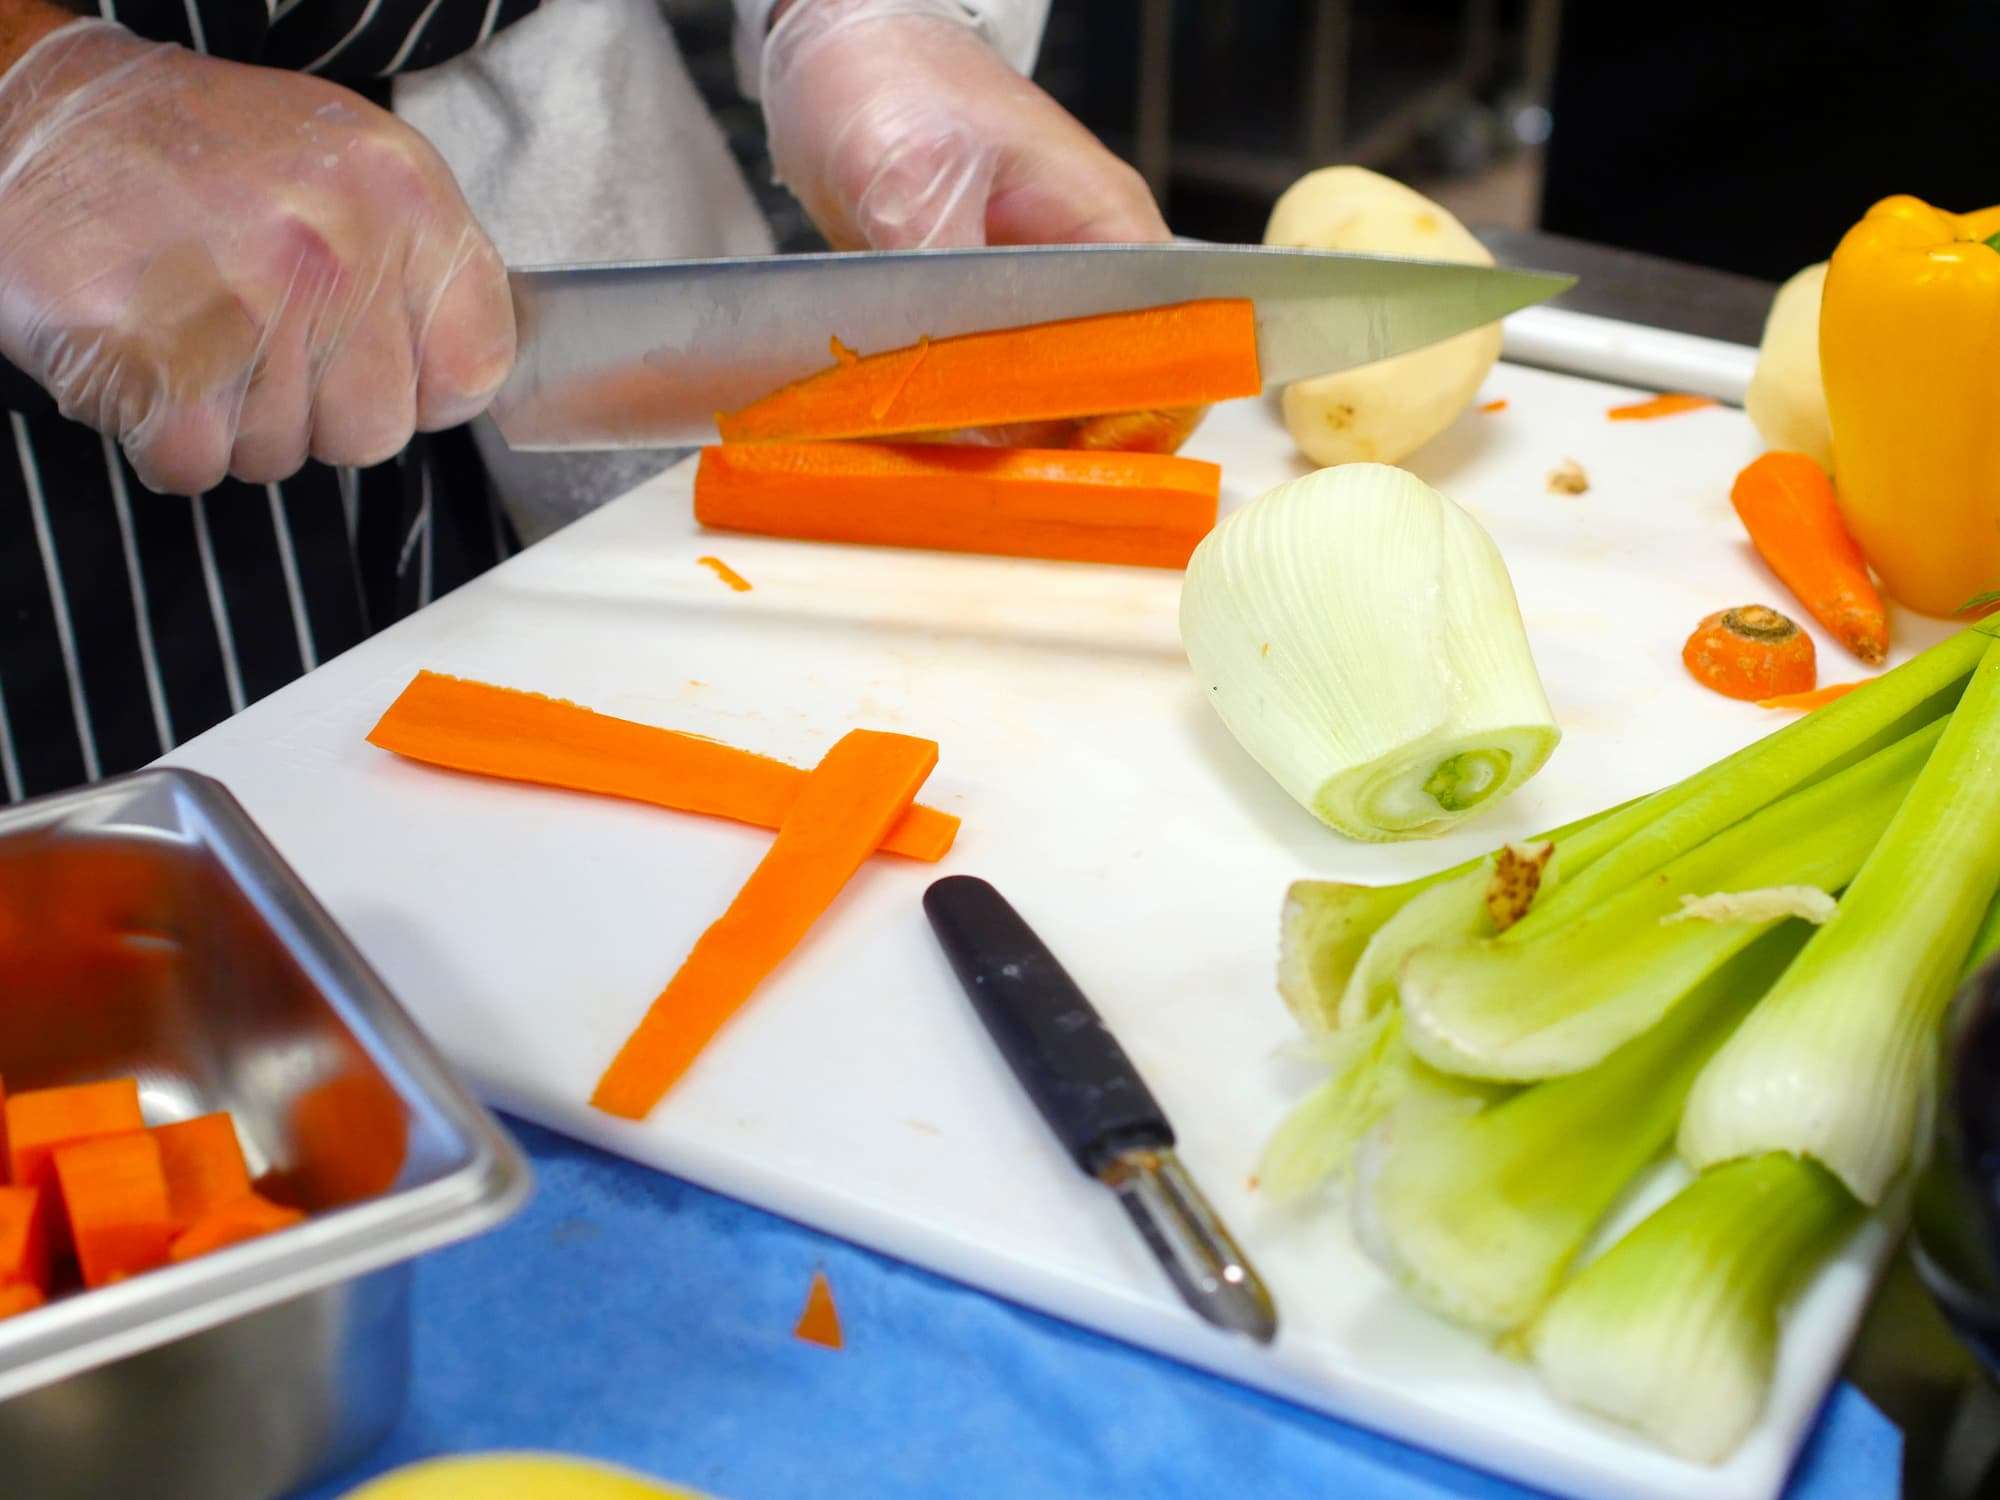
(899,128)
(227,268)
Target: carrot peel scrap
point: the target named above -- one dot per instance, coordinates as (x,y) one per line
(820,1322)
(1816,698)
(1672,404)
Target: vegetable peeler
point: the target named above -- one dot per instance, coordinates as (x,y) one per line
(1094,1099)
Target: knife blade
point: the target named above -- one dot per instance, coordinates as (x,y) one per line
(1086,1088)
(645,355)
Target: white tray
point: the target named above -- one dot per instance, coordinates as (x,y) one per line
(529,929)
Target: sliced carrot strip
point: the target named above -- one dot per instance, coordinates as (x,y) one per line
(1817,698)
(1494,407)
(1188,354)
(849,802)
(115,1195)
(1670,405)
(18,1297)
(1786,503)
(24,1235)
(496,731)
(1147,509)
(820,1322)
(246,1217)
(204,1166)
(519,736)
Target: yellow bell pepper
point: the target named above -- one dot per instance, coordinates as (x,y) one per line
(1909,347)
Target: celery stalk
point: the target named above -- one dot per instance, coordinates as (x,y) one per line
(1479,1216)
(1674,1329)
(1837,1063)
(1649,831)
(1512,1010)
(1373,1073)
(1326,925)
(1985,944)
(1821,743)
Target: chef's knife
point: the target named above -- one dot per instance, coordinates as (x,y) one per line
(1094,1099)
(644,356)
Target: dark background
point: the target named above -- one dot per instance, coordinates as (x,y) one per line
(1741,136)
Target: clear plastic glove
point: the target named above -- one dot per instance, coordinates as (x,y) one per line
(228,268)
(899,128)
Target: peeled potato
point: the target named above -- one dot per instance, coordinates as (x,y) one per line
(1382,412)
(1787,399)
(515,1476)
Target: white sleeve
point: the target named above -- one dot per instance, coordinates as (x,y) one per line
(1013,28)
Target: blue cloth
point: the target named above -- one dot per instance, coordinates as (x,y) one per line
(628,1316)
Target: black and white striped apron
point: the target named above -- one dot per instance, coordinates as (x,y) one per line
(130,621)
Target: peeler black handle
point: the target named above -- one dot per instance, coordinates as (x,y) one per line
(1069,1063)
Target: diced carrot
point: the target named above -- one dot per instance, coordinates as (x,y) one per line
(1751,652)
(41,1119)
(18,1297)
(497,731)
(24,1235)
(1671,404)
(204,1166)
(1817,698)
(350,1135)
(851,799)
(820,1322)
(115,1195)
(1188,354)
(1144,509)
(247,1217)
(1786,503)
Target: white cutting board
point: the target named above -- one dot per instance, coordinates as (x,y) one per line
(528,929)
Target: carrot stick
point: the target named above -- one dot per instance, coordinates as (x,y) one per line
(42,1119)
(1670,405)
(18,1297)
(1147,509)
(1786,503)
(24,1235)
(204,1166)
(245,1217)
(1750,652)
(1817,698)
(850,800)
(115,1195)
(1188,354)
(496,731)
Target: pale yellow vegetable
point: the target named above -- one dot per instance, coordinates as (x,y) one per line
(1787,400)
(1382,412)
(515,1476)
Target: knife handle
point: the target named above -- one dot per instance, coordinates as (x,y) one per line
(1056,1043)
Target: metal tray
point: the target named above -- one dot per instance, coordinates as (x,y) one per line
(147,928)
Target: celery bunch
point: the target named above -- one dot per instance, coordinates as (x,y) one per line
(1667,981)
